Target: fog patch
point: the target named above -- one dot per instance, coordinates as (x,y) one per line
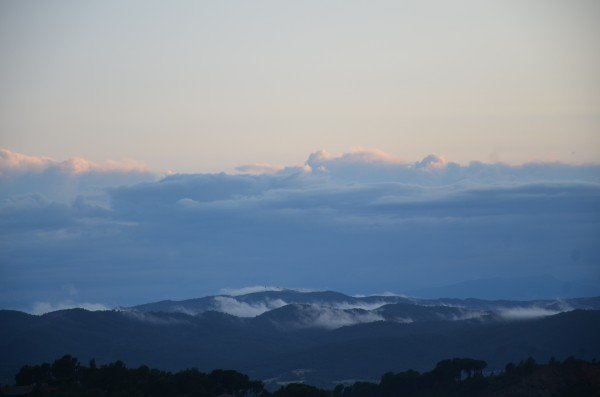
(403,320)
(153,318)
(526,313)
(389,293)
(465,315)
(185,310)
(315,316)
(230,305)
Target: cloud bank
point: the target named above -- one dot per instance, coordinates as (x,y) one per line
(363,221)
(21,174)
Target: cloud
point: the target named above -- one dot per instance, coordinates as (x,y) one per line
(316,316)
(259,168)
(237,308)
(403,320)
(39,308)
(527,313)
(12,163)
(432,162)
(389,293)
(322,158)
(21,174)
(372,165)
(154,318)
(363,221)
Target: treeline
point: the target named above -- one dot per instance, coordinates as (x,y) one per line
(455,377)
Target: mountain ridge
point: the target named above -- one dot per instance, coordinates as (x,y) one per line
(333,341)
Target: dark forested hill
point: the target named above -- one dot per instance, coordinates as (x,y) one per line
(464,377)
(284,345)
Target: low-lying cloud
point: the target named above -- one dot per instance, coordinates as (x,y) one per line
(153,318)
(316,316)
(238,308)
(527,313)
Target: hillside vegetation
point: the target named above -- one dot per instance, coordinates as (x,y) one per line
(67,377)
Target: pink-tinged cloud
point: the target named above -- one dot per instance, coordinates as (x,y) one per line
(355,156)
(20,163)
(21,174)
(259,168)
(12,163)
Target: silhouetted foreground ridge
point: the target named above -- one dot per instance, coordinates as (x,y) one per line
(454,377)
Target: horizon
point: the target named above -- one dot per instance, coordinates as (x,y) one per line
(40,308)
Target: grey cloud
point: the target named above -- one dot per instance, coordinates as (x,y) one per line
(259,168)
(362,222)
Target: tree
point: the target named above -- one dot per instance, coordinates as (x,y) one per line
(65,368)
(300,390)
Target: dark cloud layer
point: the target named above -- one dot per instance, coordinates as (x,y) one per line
(360,222)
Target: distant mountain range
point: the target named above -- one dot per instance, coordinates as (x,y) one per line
(256,303)
(317,337)
(526,288)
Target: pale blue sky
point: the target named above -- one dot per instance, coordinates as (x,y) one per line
(205,86)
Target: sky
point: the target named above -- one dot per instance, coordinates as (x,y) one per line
(167,150)
(201,86)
